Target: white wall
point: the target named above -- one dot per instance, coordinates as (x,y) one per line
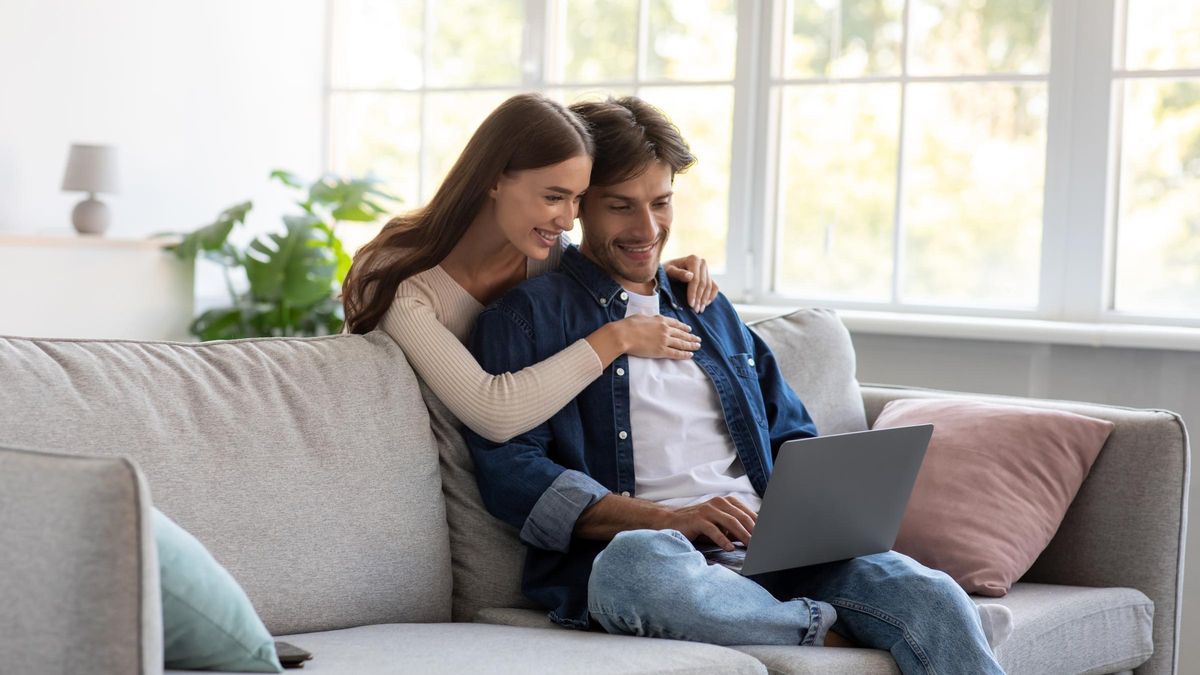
(1143,378)
(202,100)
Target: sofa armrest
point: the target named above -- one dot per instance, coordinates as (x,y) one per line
(78,567)
(1127,525)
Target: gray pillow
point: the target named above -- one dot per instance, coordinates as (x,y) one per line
(814,351)
(486,557)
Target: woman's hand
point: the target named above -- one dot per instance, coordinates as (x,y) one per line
(693,269)
(651,337)
(656,337)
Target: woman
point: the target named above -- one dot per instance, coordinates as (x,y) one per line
(498,218)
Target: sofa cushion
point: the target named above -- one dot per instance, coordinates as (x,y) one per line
(486,555)
(208,622)
(1056,629)
(305,465)
(816,356)
(1075,629)
(474,648)
(994,486)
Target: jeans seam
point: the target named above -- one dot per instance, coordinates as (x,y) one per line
(884,616)
(814,624)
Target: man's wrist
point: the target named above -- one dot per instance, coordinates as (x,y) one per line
(660,516)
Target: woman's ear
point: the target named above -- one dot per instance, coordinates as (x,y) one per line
(494,191)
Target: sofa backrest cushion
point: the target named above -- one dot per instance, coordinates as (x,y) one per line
(487,555)
(814,351)
(305,465)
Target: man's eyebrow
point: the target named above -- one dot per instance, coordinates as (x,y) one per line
(611,195)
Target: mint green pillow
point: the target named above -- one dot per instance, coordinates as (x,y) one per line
(208,622)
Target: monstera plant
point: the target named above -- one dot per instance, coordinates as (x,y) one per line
(292,278)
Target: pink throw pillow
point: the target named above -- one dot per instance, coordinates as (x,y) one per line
(994,487)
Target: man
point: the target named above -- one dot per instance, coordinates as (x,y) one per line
(610,493)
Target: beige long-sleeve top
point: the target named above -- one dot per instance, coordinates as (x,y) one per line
(431,319)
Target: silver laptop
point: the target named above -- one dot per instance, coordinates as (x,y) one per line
(833,498)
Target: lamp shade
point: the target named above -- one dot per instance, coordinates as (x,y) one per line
(91,168)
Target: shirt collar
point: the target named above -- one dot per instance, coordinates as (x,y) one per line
(602,287)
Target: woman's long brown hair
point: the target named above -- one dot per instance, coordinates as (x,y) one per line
(527,131)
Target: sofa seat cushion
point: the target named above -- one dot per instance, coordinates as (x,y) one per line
(1075,629)
(1056,629)
(476,648)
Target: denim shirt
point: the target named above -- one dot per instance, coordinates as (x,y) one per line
(540,482)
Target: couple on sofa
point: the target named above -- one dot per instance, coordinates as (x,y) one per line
(618,410)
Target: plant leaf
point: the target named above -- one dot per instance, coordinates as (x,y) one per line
(212,237)
(284,268)
(287,178)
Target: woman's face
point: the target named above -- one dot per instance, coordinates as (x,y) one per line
(533,207)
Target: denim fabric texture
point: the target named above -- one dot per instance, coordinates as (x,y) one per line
(522,481)
(653,583)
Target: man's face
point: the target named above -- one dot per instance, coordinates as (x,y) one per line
(625,226)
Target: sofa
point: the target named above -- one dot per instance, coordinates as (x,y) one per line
(323,476)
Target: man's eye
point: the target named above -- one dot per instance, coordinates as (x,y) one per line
(619,208)
(662,204)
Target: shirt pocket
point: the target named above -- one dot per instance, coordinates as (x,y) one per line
(743,367)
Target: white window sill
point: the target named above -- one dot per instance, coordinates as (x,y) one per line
(1135,336)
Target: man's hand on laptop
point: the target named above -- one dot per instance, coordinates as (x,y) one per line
(721,520)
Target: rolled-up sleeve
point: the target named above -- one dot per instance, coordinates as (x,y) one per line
(553,517)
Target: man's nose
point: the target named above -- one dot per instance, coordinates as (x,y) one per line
(646,226)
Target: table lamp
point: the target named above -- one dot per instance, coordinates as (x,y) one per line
(91,169)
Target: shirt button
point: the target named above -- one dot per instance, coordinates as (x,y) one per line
(750,361)
(625,493)
(622,435)
(604,301)
(620,372)
(624,295)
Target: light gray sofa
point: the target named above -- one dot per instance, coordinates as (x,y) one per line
(311,469)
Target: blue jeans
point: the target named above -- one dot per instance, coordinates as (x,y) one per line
(654,583)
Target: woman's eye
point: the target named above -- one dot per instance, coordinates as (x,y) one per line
(554,199)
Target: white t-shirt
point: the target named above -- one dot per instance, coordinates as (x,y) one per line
(682,451)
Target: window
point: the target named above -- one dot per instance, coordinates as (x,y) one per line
(1021,158)
(410,81)
(912,142)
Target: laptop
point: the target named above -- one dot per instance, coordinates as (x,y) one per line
(832,498)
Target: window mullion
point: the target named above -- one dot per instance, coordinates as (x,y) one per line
(739,249)
(1077,224)
(898,257)
(535,44)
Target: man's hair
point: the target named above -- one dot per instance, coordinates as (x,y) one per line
(630,135)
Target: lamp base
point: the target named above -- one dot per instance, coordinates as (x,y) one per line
(91,216)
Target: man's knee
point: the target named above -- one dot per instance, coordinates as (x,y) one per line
(637,562)
(635,547)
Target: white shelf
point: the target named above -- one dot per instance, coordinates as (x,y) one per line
(72,239)
(62,284)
